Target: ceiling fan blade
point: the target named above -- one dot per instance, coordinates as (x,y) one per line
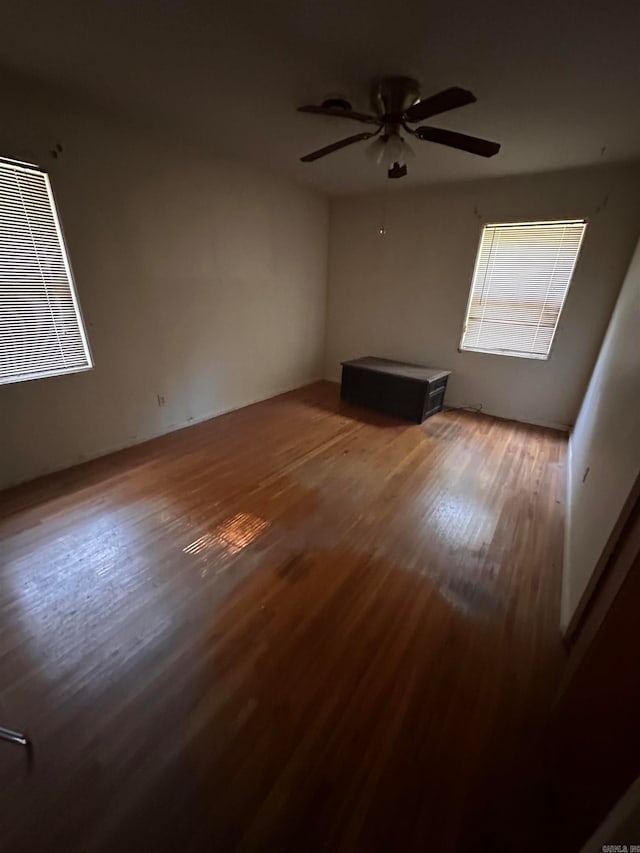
(336,146)
(449,99)
(472,144)
(338,113)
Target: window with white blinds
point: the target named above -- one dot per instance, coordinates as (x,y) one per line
(520,282)
(41,330)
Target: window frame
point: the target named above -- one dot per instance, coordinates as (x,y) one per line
(533,222)
(14,380)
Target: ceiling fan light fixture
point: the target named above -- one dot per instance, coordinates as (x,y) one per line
(396,104)
(389,149)
(375,150)
(408,153)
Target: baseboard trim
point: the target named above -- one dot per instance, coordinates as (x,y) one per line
(565,616)
(521,420)
(114,448)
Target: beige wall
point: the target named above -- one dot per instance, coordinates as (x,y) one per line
(200,280)
(204,281)
(403,295)
(606,441)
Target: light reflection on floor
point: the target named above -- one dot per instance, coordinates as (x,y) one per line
(75,581)
(462,521)
(231,536)
(467,525)
(459,529)
(68,586)
(455,525)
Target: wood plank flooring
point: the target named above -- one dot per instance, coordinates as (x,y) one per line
(297,627)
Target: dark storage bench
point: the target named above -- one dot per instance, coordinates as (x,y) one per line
(405,390)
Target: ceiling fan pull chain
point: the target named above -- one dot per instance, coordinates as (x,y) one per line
(382,230)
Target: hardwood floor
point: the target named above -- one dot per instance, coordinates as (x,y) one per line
(297,627)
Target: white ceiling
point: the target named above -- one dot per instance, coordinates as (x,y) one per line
(557,83)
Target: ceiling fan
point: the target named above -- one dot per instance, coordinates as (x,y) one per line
(396,104)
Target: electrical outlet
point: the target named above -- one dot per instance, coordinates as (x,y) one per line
(160,400)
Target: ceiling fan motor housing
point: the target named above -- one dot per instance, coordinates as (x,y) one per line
(396,105)
(391,96)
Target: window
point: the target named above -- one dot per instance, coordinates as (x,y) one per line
(521,278)
(41,331)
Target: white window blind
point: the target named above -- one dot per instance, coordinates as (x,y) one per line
(41,331)
(520,282)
